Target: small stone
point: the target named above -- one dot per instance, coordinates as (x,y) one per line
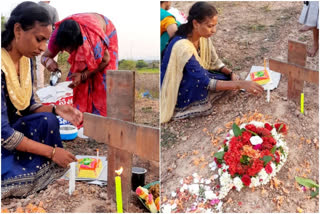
(103,195)
(184,138)
(92,189)
(62,182)
(25,202)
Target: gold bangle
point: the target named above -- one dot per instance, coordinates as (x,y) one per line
(53,152)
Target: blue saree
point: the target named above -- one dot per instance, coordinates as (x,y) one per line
(24,173)
(193,93)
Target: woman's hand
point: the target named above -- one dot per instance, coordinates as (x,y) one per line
(62,157)
(51,65)
(69,113)
(252,87)
(234,77)
(76,79)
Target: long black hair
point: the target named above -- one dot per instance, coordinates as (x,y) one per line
(199,11)
(26,13)
(69,35)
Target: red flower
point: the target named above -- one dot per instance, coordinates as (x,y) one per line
(246,137)
(268,168)
(251,127)
(246,180)
(263,132)
(266,153)
(255,168)
(277,157)
(268,126)
(268,143)
(283,129)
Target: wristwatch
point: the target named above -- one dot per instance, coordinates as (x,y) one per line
(54,109)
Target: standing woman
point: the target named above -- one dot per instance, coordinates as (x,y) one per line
(191,69)
(31,150)
(91,40)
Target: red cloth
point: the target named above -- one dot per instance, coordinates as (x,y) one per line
(91,96)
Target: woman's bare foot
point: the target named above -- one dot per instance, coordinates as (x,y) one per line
(306,28)
(313,51)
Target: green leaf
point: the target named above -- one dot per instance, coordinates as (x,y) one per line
(281,126)
(219,155)
(315,193)
(281,150)
(273,150)
(225,148)
(306,182)
(245,160)
(236,130)
(266,159)
(252,132)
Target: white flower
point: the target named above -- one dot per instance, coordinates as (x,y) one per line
(219,207)
(184,187)
(181,181)
(254,182)
(275,134)
(194,189)
(210,195)
(255,140)
(206,188)
(196,180)
(257,124)
(231,133)
(238,183)
(195,174)
(225,179)
(242,126)
(213,165)
(207,181)
(224,166)
(173,206)
(280,143)
(173,194)
(215,176)
(166,208)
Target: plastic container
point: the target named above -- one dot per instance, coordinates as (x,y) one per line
(68,132)
(138,177)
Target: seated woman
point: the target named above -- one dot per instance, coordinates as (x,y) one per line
(31,150)
(191,69)
(91,40)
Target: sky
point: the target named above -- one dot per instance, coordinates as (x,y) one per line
(137,22)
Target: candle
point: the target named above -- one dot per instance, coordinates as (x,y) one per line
(268,95)
(72,178)
(118,191)
(302,102)
(97,154)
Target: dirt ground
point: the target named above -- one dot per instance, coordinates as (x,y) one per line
(89,198)
(247,33)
